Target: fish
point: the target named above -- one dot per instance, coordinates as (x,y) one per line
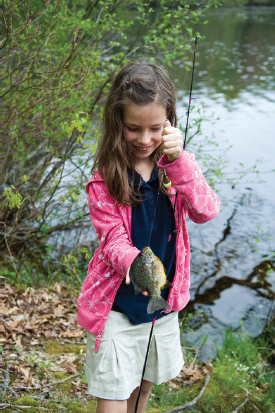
(147,273)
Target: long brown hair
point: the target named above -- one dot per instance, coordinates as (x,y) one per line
(140,83)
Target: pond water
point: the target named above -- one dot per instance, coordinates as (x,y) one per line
(235,80)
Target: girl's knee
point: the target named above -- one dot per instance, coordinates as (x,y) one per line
(114,406)
(146,386)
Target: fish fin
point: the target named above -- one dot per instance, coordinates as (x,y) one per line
(136,287)
(167,284)
(157,304)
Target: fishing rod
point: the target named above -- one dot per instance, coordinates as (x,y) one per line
(167,183)
(190,94)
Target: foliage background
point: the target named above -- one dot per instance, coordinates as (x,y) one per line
(59,58)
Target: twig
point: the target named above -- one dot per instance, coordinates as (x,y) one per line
(248,392)
(256,408)
(6,382)
(238,408)
(14,266)
(191,404)
(194,359)
(4,405)
(47,385)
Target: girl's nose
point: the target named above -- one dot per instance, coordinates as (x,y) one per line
(144,137)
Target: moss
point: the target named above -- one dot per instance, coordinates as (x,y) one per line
(66,386)
(55,347)
(269,398)
(27,401)
(74,408)
(53,406)
(78,407)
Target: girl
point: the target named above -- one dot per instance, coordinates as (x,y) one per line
(139,140)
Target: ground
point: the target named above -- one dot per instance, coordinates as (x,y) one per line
(43,354)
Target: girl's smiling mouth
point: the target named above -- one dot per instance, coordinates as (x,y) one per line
(142,148)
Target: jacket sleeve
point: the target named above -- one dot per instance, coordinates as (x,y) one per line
(115,239)
(200,200)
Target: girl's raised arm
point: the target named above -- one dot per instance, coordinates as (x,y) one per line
(200,200)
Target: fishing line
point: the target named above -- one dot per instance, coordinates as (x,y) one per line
(144,366)
(190,94)
(155,210)
(154,317)
(163,176)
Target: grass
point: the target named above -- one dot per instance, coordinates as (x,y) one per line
(239,372)
(243,370)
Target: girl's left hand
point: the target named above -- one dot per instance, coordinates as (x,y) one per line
(128,281)
(172,142)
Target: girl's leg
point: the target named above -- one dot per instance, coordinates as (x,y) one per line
(144,396)
(126,406)
(111,406)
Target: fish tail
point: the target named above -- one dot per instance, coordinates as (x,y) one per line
(157,303)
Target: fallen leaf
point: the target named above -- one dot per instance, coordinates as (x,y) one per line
(174,385)
(29,326)
(68,364)
(18,318)
(47,333)
(25,372)
(72,318)
(57,368)
(65,358)
(72,333)
(6,310)
(12,356)
(11,290)
(59,311)
(207,368)
(18,342)
(57,288)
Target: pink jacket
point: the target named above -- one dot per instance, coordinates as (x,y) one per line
(116,253)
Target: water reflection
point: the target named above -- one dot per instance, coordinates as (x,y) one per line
(235,78)
(237,52)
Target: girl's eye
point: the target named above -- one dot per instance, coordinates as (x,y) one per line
(136,130)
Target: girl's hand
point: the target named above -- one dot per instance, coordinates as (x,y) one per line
(172,142)
(128,281)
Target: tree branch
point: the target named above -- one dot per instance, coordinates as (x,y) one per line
(47,385)
(193,403)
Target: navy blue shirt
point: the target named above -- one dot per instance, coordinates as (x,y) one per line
(135,306)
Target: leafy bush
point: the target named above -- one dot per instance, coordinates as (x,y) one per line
(59,58)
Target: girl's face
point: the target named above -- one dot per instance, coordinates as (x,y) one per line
(142,127)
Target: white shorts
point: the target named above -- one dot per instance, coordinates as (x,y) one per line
(115,370)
